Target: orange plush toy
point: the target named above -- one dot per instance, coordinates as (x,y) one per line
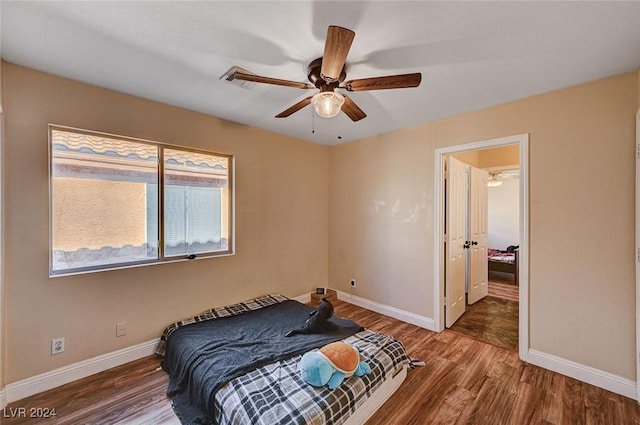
(332,364)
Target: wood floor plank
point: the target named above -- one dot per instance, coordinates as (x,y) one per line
(528,405)
(573,402)
(503,290)
(491,319)
(464,381)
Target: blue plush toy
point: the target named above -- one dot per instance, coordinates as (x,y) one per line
(332,364)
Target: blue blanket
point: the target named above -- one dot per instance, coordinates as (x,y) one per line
(202,357)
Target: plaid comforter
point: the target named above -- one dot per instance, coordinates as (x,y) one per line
(276,394)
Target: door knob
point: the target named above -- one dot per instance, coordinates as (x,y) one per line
(474,242)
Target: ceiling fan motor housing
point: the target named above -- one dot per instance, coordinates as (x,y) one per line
(313,73)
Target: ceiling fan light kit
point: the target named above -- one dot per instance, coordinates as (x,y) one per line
(328,74)
(493,180)
(327,104)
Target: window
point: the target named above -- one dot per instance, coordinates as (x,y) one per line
(118,202)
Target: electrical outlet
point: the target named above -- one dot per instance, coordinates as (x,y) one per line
(57,346)
(121,329)
(353,283)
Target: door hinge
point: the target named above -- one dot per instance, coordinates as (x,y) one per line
(638,151)
(638,254)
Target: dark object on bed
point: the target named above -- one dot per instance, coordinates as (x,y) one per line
(505,262)
(202,357)
(318,321)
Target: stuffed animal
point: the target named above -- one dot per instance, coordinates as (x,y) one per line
(318,321)
(332,364)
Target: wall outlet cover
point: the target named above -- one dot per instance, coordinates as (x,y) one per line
(57,346)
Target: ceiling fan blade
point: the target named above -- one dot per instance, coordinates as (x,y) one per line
(352,110)
(267,80)
(294,108)
(336,48)
(381,83)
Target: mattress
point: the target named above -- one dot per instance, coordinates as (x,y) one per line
(268,388)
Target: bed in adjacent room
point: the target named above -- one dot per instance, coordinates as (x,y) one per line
(504,262)
(234,365)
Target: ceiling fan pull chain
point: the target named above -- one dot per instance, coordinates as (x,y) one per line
(313,122)
(339,126)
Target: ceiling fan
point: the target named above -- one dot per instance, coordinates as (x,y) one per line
(328,74)
(496,176)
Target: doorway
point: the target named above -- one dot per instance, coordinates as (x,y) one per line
(489,311)
(439,216)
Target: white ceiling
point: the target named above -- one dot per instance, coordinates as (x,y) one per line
(471,54)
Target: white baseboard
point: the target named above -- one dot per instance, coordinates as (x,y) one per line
(52,379)
(55,378)
(396,313)
(304,298)
(27,387)
(588,374)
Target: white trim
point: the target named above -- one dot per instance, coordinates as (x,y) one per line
(438,261)
(304,298)
(590,375)
(396,313)
(3,398)
(55,378)
(637,256)
(523,251)
(52,379)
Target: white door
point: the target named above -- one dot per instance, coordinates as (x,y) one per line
(455,228)
(478,224)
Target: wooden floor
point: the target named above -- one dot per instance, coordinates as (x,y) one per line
(504,290)
(501,277)
(465,381)
(491,319)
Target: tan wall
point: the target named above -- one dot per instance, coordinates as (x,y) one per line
(281,225)
(104,219)
(470,158)
(380,220)
(503,156)
(500,157)
(581,216)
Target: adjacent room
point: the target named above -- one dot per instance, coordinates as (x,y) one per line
(264,212)
(492,235)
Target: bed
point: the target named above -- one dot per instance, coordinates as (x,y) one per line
(504,262)
(233,365)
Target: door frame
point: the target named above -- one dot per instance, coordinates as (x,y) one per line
(522,140)
(637,190)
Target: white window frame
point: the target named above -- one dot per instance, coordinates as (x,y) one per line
(161,257)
